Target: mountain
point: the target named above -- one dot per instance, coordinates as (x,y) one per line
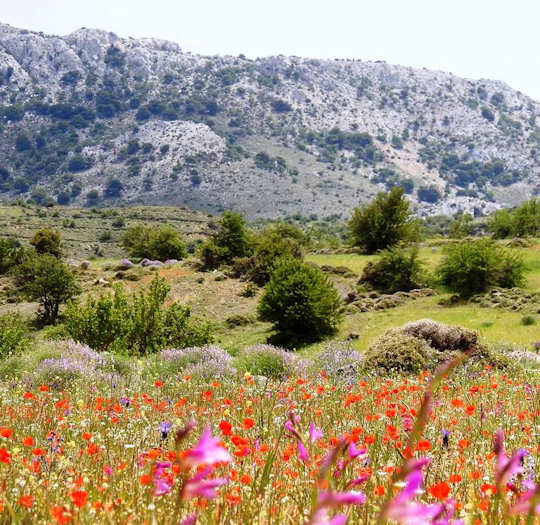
(92,118)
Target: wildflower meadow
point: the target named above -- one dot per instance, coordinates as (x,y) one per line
(450,447)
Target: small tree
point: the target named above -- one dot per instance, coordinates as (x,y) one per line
(46,279)
(472,267)
(398,269)
(47,241)
(231,240)
(461,226)
(301,302)
(154,243)
(383,222)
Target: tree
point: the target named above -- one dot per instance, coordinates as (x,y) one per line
(473,267)
(461,226)
(383,222)
(301,302)
(46,279)
(113,189)
(139,324)
(154,243)
(47,241)
(231,240)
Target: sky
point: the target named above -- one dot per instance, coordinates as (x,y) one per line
(495,39)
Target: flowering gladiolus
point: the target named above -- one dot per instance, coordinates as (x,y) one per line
(207,451)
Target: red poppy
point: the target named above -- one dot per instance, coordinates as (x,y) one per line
(440,490)
(79,498)
(248,423)
(26,501)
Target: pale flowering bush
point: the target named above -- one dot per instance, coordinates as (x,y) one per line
(206,361)
(339,361)
(270,361)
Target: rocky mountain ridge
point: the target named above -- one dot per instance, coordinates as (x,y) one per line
(98,119)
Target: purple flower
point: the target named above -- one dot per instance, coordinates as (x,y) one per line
(446,435)
(207,451)
(530,497)
(165,428)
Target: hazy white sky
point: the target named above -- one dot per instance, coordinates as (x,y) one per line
(497,39)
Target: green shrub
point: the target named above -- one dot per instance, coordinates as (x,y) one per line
(265,360)
(396,351)
(271,249)
(520,222)
(231,240)
(472,267)
(383,222)
(137,325)
(301,302)
(160,243)
(398,269)
(13,333)
(528,320)
(46,279)
(47,241)
(238,320)
(11,254)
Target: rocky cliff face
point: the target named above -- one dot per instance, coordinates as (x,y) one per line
(272,136)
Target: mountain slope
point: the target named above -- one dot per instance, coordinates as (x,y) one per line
(95,118)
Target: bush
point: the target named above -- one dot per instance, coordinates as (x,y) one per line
(268,361)
(472,267)
(206,361)
(139,324)
(46,279)
(47,241)
(528,320)
(231,240)
(396,351)
(383,222)
(523,221)
(398,269)
(442,336)
(429,194)
(160,243)
(339,361)
(301,302)
(271,249)
(11,254)
(13,333)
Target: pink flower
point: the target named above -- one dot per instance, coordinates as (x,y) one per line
(506,468)
(408,512)
(320,517)
(162,484)
(526,501)
(302,452)
(334,499)
(314,433)
(355,452)
(189,520)
(207,451)
(205,488)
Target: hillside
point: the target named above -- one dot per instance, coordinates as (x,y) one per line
(92,118)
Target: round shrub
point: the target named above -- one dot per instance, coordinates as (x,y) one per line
(339,361)
(207,361)
(398,269)
(474,266)
(267,360)
(396,351)
(301,303)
